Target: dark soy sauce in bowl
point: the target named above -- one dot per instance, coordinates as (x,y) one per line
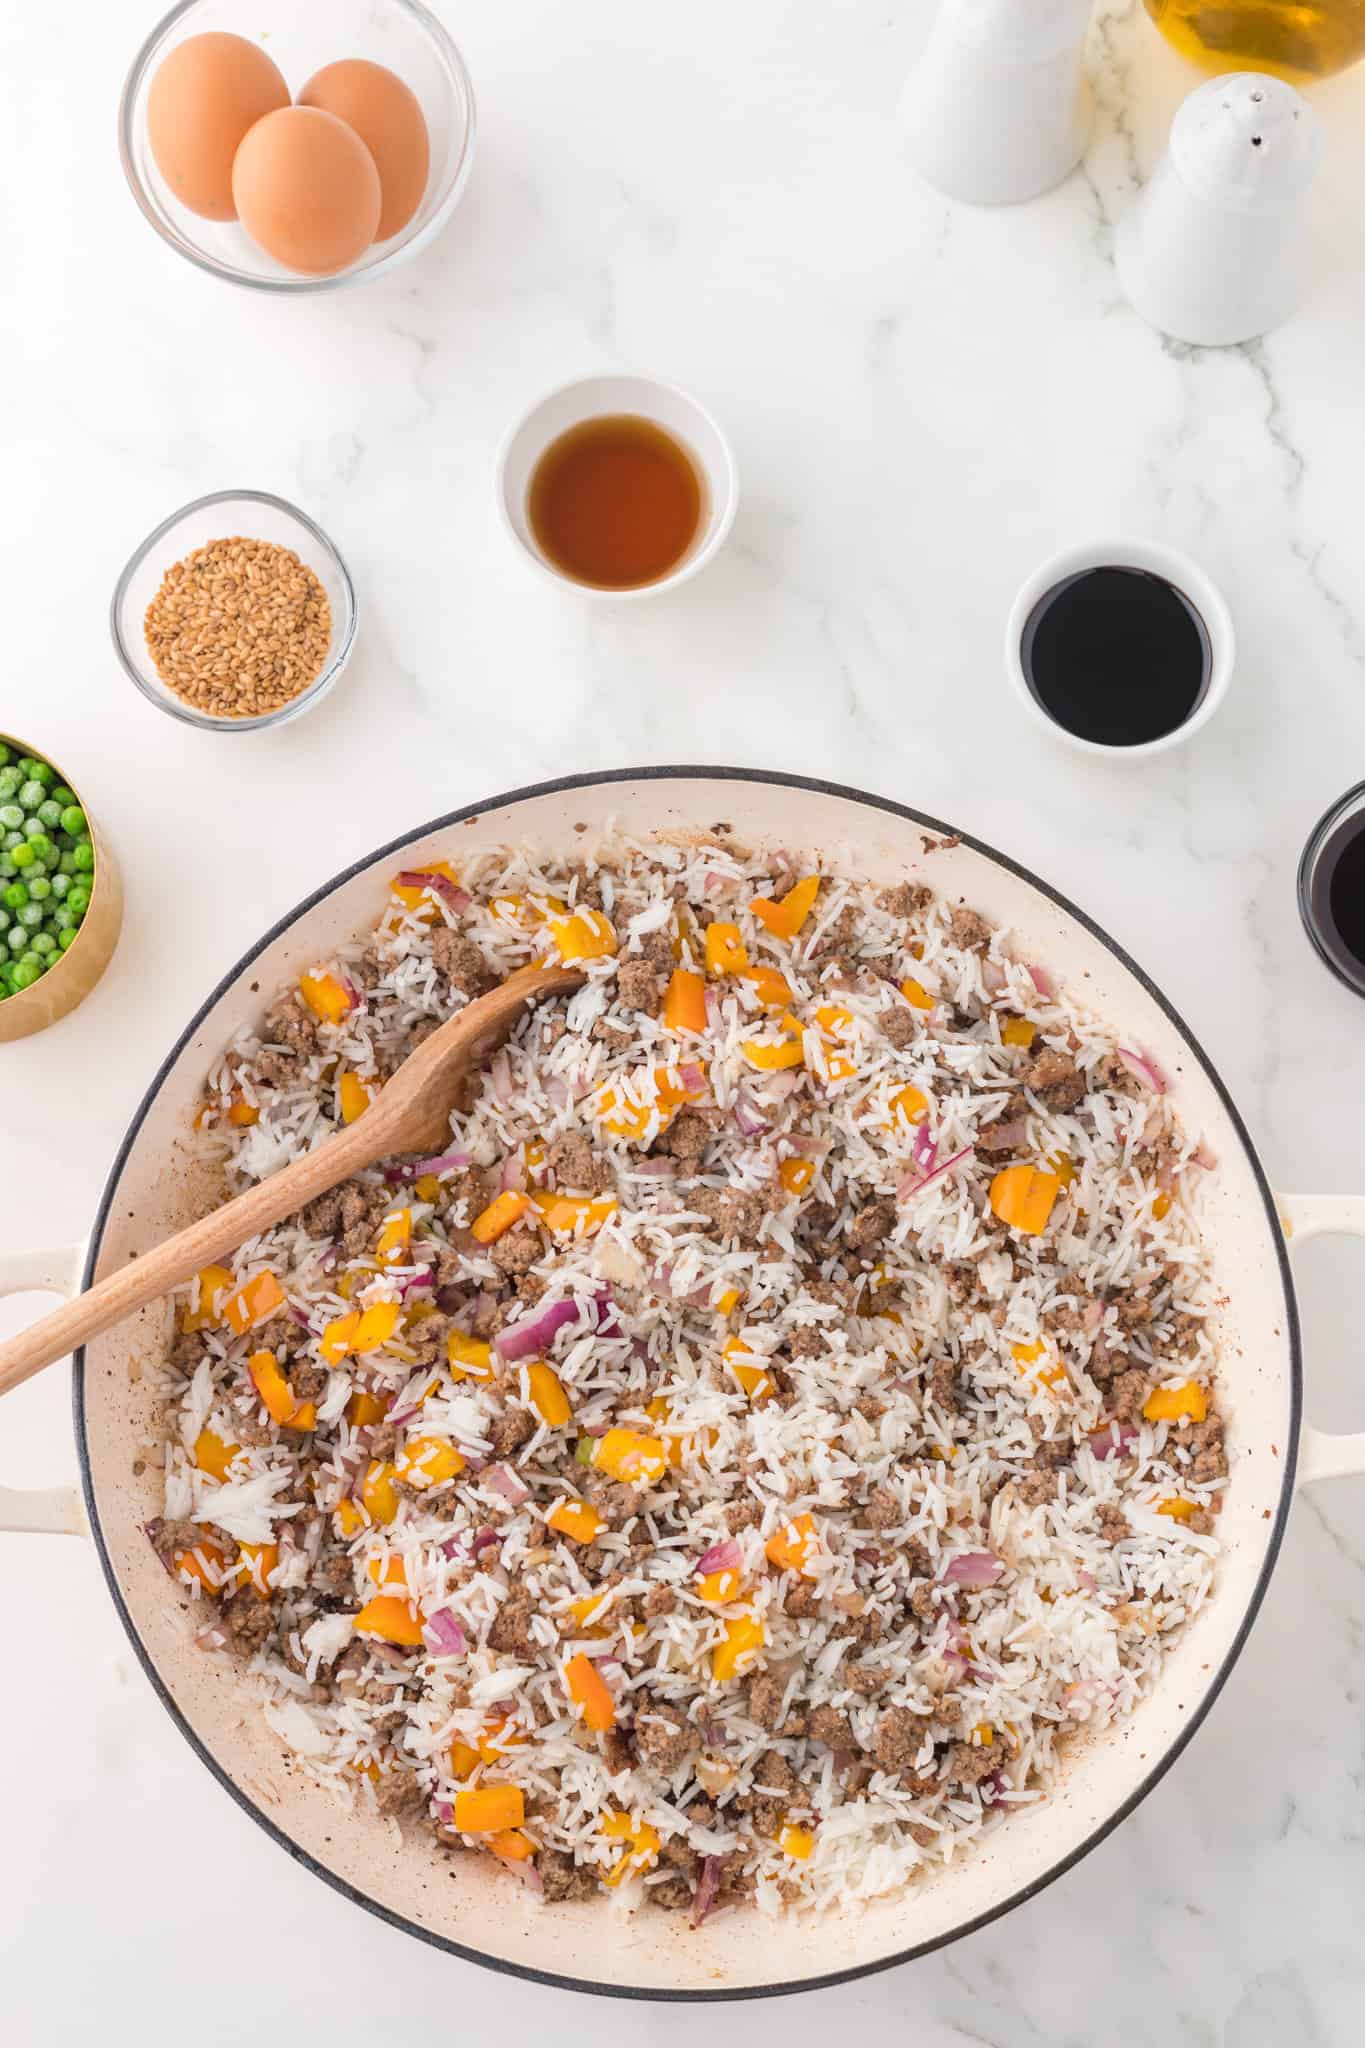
(1117,656)
(1332,889)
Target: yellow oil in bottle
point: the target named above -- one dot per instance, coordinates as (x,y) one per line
(1296,39)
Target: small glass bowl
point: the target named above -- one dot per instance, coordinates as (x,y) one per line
(300,37)
(254,515)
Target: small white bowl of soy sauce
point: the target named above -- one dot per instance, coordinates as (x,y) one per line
(1122,648)
(1332,889)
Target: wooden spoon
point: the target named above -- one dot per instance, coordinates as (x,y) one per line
(410,1114)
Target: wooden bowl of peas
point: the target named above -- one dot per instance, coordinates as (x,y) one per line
(61,897)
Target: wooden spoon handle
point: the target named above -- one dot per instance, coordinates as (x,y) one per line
(168,1265)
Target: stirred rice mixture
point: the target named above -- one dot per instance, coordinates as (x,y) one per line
(779,1417)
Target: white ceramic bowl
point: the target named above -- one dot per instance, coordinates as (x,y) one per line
(591,398)
(1156,560)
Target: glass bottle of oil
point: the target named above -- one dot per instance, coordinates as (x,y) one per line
(1297,39)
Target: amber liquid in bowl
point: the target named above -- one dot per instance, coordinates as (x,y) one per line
(616,502)
(1296,39)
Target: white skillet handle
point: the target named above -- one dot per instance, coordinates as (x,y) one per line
(1323,1456)
(52,1510)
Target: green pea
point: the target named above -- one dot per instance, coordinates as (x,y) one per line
(62,795)
(60,884)
(4,755)
(84,857)
(44,943)
(11,817)
(16,938)
(43,849)
(11,840)
(32,915)
(40,772)
(23,855)
(73,820)
(10,779)
(78,899)
(31,794)
(33,829)
(40,889)
(14,896)
(6,918)
(7,867)
(24,976)
(66,863)
(50,811)
(66,936)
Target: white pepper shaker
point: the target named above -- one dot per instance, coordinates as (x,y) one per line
(997,109)
(1213,251)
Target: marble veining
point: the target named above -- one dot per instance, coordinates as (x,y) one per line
(925,400)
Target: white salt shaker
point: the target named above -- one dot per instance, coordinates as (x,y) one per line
(997,109)
(1213,251)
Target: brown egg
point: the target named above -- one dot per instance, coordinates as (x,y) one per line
(307,190)
(388,118)
(206,93)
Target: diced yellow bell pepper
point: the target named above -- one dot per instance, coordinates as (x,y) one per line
(785,918)
(756,1381)
(1177,1404)
(909,1105)
(793,1546)
(547,1395)
(771,1058)
(839,1068)
(576,1519)
(255,1301)
(212,1455)
(718,1588)
(277,1396)
(326,997)
(361,1331)
(726,1301)
(363,1409)
(726,952)
(773,990)
(243,1114)
(1022,1197)
(798,1843)
(983,1735)
(489,1809)
(354,1096)
(744,1638)
(379,1493)
(413,897)
(1026,1355)
(395,1238)
(1161,1205)
(588,1689)
(427,1187)
(573,1215)
(502,1212)
(392,1619)
(1018,1031)
(643,1850)
(630,1456)
(428,1461)
(213,1283)
(796,1175)
(257,1561)
(917,995)
(585,935)
(350,1517)
(1177,1509)
(685,1002)
(470,1358)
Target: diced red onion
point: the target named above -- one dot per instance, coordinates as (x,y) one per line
(925,1152)
(865,1555)
(1041,980)
(443,1634)
(512,1179)
(444,1812)
(500,1076)
(750,1123)
(714,881)
(507,1485)
(213,1637)
(995,1785)
(353,994)
(721,1557)
(657,1169)
(993,976)
(1115,1440)
(608,1323)
(452,1547)
(974,1571)
(911,1186)
(1004,1137)
(423,1278)
(300,1318)
(714,1733)
(1088,1581)
(446,1162)
(1142,1069)
(422,878)
(1201,1156)
(692,1077)
(388,1653)
(534,1333)
(708,1885)
(485,1539)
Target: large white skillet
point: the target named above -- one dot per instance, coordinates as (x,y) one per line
(154,1188)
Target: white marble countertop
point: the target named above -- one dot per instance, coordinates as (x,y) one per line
(924,401)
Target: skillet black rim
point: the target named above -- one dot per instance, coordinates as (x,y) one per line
(1215,1686)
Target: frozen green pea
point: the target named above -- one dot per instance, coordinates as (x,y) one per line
(73,820)
(11,817)
(40,772)
(50,813)
(60,884)
(23,976)
(44,943)
(39,889)
(78,899)
(84,857)
(31,794)
(66,936)
(23,855)
(31,916)
(14,896)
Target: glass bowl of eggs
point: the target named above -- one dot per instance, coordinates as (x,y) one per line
(296,148)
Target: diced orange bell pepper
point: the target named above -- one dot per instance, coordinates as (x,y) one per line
(255,1301)
(213,1283)
(718,1588)
(754,1378)
(470,1357)
(726,1301)
(785,918)
(1177,1509)
(360,1331)
(212,1455)
(354,1096)
(575,1519)
(630,1456)
(387,1571)
(205,1562)
(773,990)
(917,995)
(589,1690)
(428,1461)
(243,1114)
(796,1175)
(427,1187)
(258,1561)
(379,1493)
(909,1105)
(413,897)
(464,1760)
(1161,1205)
(835,1020)
(685,1003)
(643,1850)
(726,952)
(771,1058)
(793,1545)
(395,1237)
(350,1516)
(498,1737)
(744,1638)
(573,1215)
(392,1619)
(510,1845)
(798,1843)
(1026,1355)
(1177,1404)
(277,1396)
(338,1339)
(363,1409)
(1018,1031)
(488,1809)
(326,997)
(585,935)
(1022,1197)
(547,1395)
(502,1212)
